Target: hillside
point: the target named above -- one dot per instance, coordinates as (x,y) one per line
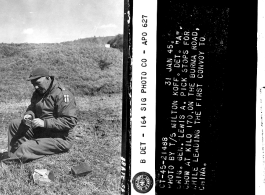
(84,65)
(97,40)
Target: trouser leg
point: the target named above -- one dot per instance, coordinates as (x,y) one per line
(26,144)
(38,148)
(18,133)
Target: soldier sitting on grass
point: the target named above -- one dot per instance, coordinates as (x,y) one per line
(47,125)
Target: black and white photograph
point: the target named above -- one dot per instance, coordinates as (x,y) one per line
(101,97)
(61,70)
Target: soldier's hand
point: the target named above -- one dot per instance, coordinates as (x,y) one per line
(27,117)
(37,122)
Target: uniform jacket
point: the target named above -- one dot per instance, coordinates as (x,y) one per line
(57,107)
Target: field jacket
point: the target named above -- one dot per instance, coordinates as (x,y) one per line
(57,108)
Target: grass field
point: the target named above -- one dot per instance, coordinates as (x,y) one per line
(98,132)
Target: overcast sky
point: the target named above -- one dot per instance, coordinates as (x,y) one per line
(51,21)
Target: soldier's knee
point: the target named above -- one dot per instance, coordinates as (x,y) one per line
(15,123)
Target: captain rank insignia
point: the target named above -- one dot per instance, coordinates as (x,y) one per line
(66,98)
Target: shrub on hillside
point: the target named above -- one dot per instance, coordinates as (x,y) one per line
(9,50)
(91,41)
(103,64)
(117,42)
(86,69)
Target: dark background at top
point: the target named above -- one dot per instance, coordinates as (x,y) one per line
(231,82)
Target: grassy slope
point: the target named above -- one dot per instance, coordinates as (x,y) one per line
(99,128)
(88,68)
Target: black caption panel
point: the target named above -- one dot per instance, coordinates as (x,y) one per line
(191,53)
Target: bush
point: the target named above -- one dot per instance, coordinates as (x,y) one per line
(103,64)
(9,50)
(81,67)
(117,42)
